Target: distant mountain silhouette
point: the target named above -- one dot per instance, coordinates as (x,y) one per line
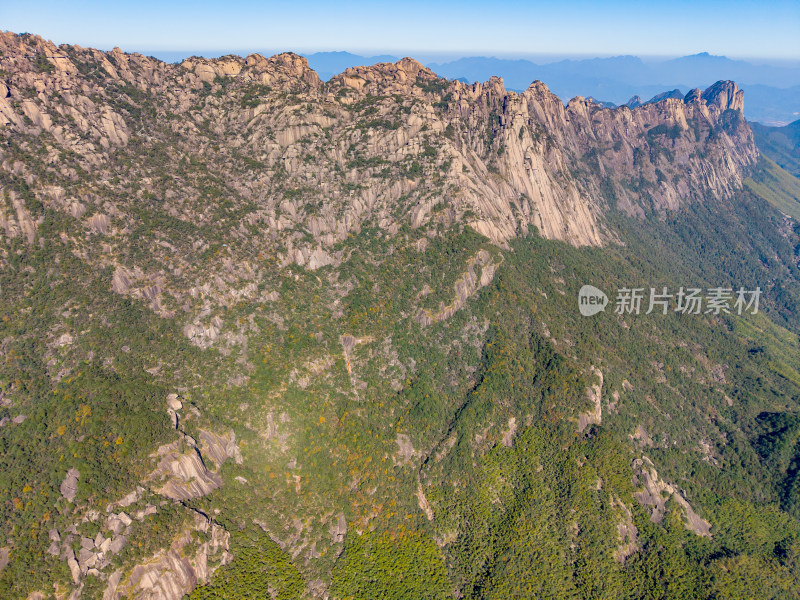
(771,92)
(328,64)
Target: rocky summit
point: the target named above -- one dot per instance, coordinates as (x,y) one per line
(380,146)
(268,335)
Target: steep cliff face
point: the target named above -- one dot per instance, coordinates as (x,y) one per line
(260,152)
(377,146)
(656,156)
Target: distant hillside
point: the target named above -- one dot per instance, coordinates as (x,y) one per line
(777,187)
(780,144)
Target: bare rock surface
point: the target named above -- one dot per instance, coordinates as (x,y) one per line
(626,531)
(177,570)
(5,553)
(594,393)
(69,487)
(657,493)
(194,472)
(465,287)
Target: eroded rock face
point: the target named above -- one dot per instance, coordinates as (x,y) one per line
(594,393)
(220,448)
(725,95)
(339,529)
(507,161)
(193,472)
(627,533)
(16,221)
(657,493)
(186,475)
(175,571)
(5,553)
(308,164)
(465,287)
(186,470)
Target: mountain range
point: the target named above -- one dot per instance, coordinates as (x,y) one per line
(268,335)
(772,90)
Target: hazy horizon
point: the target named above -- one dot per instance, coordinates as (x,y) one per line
(426,56)
(423,56)
(736,29)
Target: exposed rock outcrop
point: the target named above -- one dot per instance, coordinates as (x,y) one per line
(505,161)
(69,487)
(465,287)
(5,553)
(176,571)
(657,493)
(423,503)
(626,531)
(594,393)
(339,530)
(189,474)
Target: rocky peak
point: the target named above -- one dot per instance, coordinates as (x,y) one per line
(538,87)
(413,68)
(207,70)
(694,95)
(726,95)
(634,102)
(256,61)
(291,65)
(287,69)
(511,157)
(406,76)
(30,52)
(495,85)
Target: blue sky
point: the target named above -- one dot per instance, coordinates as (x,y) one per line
(734,28)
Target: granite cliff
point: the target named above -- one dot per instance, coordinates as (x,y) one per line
(383,146)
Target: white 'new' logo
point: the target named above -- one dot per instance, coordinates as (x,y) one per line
(591,300)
